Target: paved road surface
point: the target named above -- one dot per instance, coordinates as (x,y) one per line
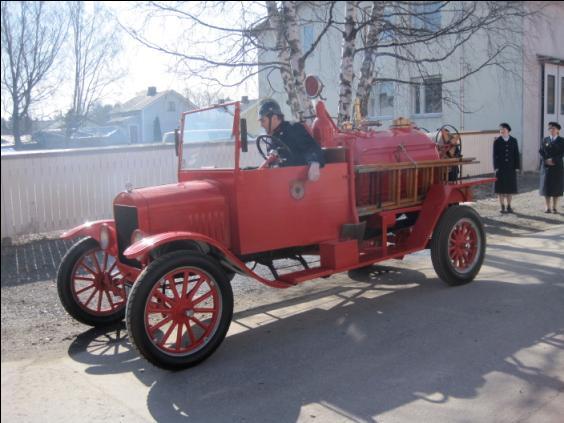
(392,344)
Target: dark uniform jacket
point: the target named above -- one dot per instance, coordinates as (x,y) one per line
(304,149)
(552,177)
(506,161)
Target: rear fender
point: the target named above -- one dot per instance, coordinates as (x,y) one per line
(141,250)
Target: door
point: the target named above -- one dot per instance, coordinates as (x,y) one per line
(553,94)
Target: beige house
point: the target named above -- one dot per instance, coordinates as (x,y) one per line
(527,96)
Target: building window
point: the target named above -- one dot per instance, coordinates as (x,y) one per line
(171,106)
(426,16)
(307,37)
(427,96)
(382,100)
(550,94)
(387,34)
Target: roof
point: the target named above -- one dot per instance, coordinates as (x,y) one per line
(142,101)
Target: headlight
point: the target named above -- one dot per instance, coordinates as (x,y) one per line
(137,236)
(105,237)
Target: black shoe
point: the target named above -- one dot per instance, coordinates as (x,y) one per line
(509,209)
(554,211)
(503,209)
(547,211)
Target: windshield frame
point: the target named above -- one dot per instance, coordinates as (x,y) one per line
(236,132)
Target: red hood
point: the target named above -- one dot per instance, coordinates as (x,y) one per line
(197,206)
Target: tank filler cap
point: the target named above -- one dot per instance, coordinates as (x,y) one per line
(401,122)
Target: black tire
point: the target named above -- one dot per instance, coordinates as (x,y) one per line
(458,245)
(77,305)
(178,311)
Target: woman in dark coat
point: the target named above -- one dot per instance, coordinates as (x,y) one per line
(552,167)
(506,162)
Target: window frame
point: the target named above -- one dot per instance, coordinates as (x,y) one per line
(427,24)
(419,93)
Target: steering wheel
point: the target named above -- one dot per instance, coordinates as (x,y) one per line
(270,143)
(446,147)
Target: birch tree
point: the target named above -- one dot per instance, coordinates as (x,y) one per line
(254,28)
(265,38)
(32,35)
(347,62)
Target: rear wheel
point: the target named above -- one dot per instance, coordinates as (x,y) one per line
(179,310)
(90,286)
(458,245)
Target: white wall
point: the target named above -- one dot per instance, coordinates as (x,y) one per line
(544,36)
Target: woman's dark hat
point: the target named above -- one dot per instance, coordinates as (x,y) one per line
(505,125)
(555,125)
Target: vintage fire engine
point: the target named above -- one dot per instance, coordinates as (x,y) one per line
(166,259)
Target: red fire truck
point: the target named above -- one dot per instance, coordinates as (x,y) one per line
(166,259)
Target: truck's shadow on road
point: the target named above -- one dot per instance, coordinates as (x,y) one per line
(389,338)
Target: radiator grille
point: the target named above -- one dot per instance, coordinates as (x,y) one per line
(126,222)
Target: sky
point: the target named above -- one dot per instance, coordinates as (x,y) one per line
(144,67)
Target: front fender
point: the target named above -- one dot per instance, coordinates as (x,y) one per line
(141,249)
(91,229)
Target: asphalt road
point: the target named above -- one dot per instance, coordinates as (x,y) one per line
(387,344)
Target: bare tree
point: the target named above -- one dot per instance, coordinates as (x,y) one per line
(94,46)
(264,38)
(204,97)
(32,35)
(207,44)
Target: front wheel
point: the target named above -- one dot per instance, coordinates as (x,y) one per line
(458,245)
(179,310)
(90,286)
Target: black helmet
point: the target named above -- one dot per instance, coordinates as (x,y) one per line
(269,107)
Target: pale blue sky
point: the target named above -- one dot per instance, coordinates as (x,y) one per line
(145,67)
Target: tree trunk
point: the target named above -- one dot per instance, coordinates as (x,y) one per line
(283,56)
(16,126)
(296,59)
(364,89)
(347,59)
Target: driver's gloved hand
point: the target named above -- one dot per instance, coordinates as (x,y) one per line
(313,172)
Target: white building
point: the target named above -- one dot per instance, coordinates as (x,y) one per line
(146,117)
(527,96)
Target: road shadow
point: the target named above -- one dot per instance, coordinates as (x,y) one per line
(368,348)
(33,261)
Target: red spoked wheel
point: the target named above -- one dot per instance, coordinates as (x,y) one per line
(458,245)
(90,286)
(463,245)
(179,310)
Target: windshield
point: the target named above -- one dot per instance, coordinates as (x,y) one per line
(208,139)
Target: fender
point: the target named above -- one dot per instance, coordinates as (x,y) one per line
(142,248)
(91,229)
(439,197)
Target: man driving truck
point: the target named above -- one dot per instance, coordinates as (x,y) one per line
(303,149)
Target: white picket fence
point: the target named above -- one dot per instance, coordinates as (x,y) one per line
(51,190)
(45,191)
